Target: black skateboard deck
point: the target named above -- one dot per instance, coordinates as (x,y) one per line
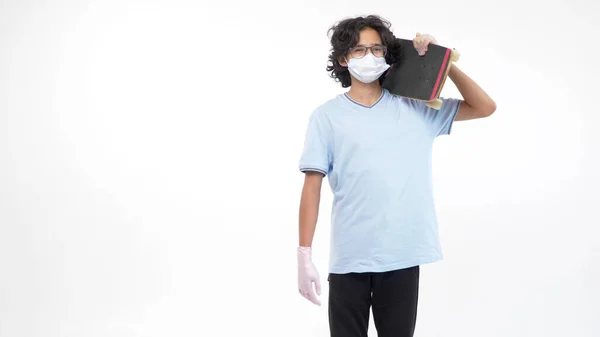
(420,77)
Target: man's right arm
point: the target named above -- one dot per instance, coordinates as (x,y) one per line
(309,207)
(315,162)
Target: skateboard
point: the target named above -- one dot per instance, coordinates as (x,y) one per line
(420,77)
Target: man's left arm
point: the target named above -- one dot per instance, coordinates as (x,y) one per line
(476,103)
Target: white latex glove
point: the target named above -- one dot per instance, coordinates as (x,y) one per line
(421,41)
(307,275)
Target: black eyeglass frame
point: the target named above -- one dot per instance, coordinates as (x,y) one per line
(351,51)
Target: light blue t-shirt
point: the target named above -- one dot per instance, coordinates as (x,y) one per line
(378,163)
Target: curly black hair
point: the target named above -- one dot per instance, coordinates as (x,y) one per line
(346,35)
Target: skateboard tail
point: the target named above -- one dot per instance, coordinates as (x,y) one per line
(440,77)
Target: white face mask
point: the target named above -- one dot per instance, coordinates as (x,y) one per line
(367,68)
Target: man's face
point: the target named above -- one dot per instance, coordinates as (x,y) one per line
(369,42)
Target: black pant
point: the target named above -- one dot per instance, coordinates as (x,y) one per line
(393,296)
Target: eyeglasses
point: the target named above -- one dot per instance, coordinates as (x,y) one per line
(378,50)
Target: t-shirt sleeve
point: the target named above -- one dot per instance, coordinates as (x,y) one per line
(440,121)
(317,151)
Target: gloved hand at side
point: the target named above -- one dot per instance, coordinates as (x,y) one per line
(307,275)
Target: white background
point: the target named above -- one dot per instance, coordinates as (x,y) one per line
(149,182)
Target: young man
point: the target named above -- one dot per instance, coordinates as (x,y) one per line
(376,150)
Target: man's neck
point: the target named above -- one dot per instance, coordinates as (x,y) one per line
(365,94)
